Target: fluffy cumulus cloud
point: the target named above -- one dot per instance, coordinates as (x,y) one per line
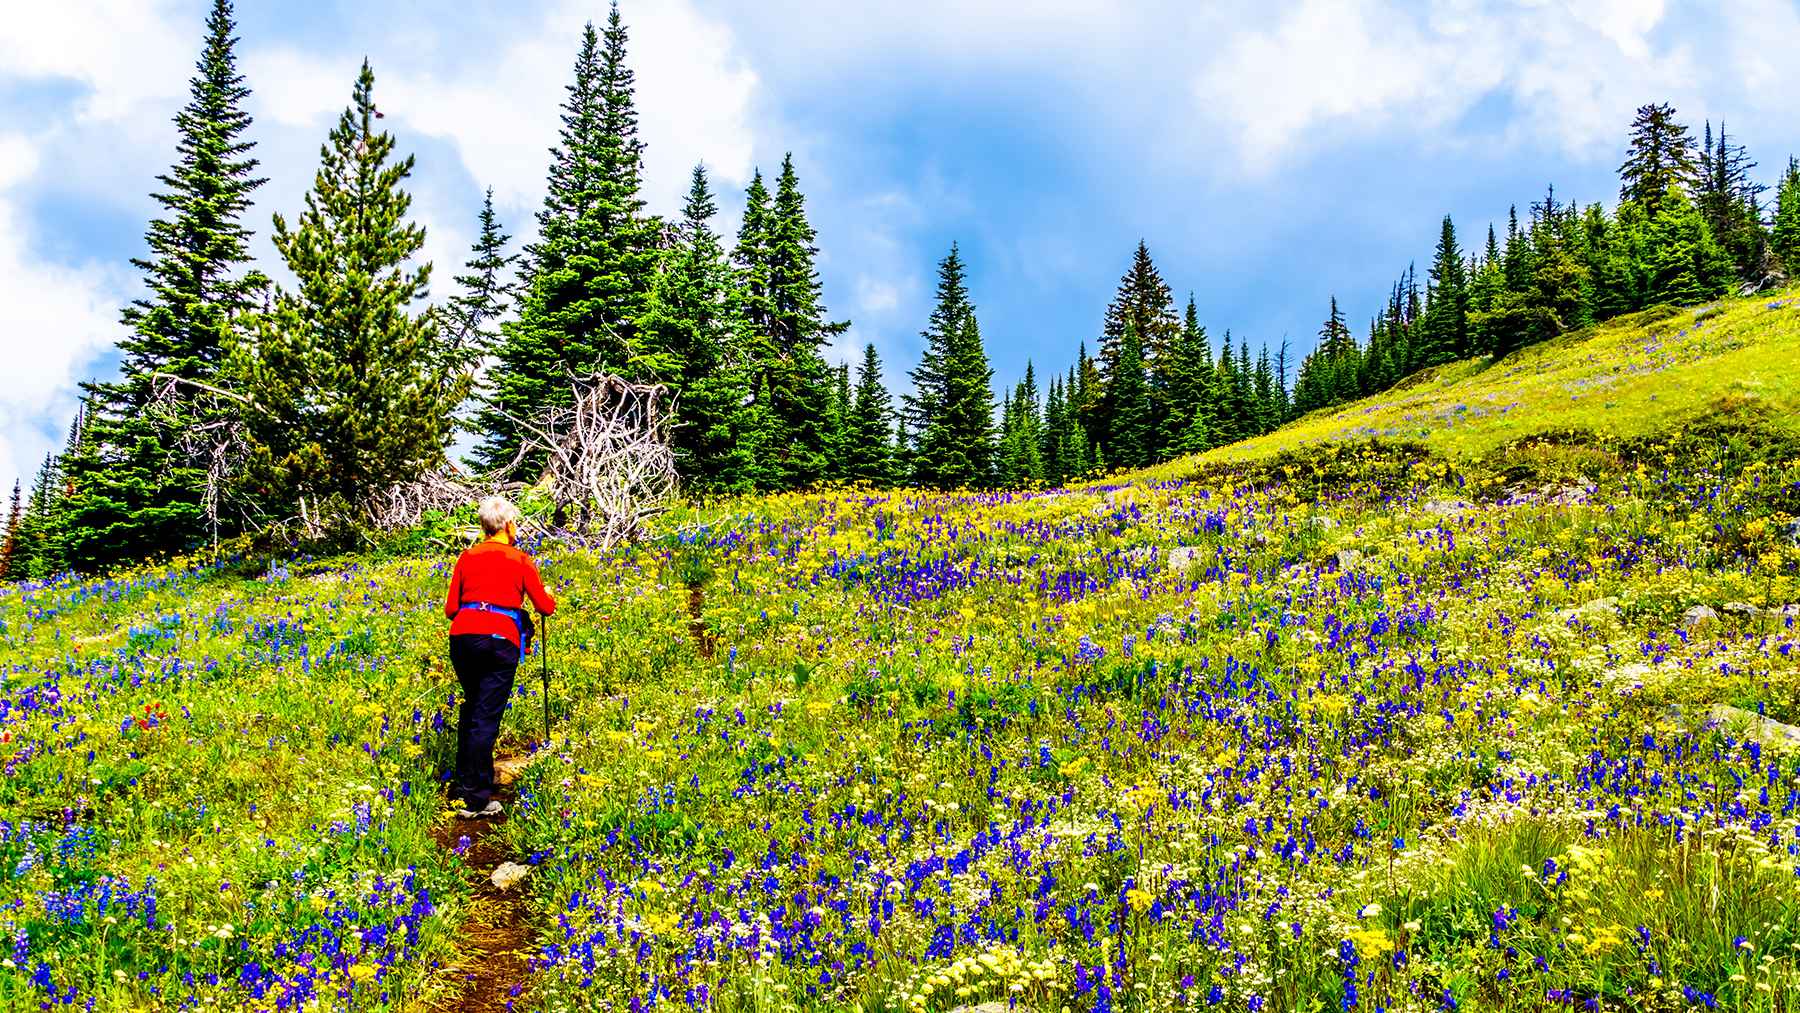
(57,317)
(1572,71)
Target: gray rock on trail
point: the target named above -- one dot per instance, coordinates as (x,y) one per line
(1739,608)
(1608,606)
(507,875)
(1754,725)
(1697,617)
(1349,559)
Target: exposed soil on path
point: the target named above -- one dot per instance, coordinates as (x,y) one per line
(495,934)
(703,638)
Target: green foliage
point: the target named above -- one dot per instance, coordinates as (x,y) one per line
(952,404)
(868,448)
(589,274)
(788,329)
(346,395)
(135,493)
(1661,158)
(692,338)
(485,293)
(1785,237)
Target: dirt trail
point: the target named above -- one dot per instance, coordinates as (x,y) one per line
(495,934)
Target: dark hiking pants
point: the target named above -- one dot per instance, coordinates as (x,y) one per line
(485,666)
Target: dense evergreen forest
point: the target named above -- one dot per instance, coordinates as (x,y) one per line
(350,379)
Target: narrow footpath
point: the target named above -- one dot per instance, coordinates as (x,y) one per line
(495,935)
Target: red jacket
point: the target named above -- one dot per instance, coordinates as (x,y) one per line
(498,574)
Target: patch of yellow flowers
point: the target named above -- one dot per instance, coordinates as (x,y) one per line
(1001,970)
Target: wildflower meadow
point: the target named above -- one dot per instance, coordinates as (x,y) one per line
(1478,696)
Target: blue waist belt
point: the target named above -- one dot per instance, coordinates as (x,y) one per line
(518,616)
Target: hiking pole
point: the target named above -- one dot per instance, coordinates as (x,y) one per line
(544,652)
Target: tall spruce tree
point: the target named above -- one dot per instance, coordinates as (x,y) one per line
(870,456)
(926,401)
(1050,444)
(1446,326)
(138,494)
(789,327)
(486,290)
(936,462)
(960,444)
(1731,202)
(9,537)
(1661,158)
(346,397)
(1785,237)
(1143,301)
(692,338)
(1130,429)
(37,552)
(591,270)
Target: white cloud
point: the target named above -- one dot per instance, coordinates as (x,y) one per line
(498,106)
(1573,69)
(124,52)
(57,319)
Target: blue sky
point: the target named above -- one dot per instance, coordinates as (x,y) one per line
(1271,153)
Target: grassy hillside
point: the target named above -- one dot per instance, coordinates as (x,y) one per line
(1631,376)
(1464,718)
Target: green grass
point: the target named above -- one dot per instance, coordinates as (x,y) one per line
(1633,376)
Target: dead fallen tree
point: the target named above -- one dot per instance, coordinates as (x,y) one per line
(603,461)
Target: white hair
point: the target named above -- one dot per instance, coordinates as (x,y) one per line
(496,512)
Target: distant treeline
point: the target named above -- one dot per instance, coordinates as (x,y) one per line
(318,396)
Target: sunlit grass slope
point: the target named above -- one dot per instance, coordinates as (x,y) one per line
(1627,377)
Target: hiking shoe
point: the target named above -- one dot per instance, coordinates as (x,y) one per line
(468,811)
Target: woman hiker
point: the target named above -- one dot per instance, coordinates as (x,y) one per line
(489,630)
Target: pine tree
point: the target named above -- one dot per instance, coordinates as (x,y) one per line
(1687,265)
(346,396)
(37,552)
(1182,381)
(1264,392)
(1446,326)
(591,270)
(1731,202)
(870,457)
(959,446)
(1021,454)
(788,327)
(9,538)
(1283,403)
(1130,429)
(837,424)
(1785,238)
(486,291)
(692,339)
(1089,403)
(927,406)
(1050,442)
(1515,261)
(1143,301)
(1661,158)
(750,259)
(139,495)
